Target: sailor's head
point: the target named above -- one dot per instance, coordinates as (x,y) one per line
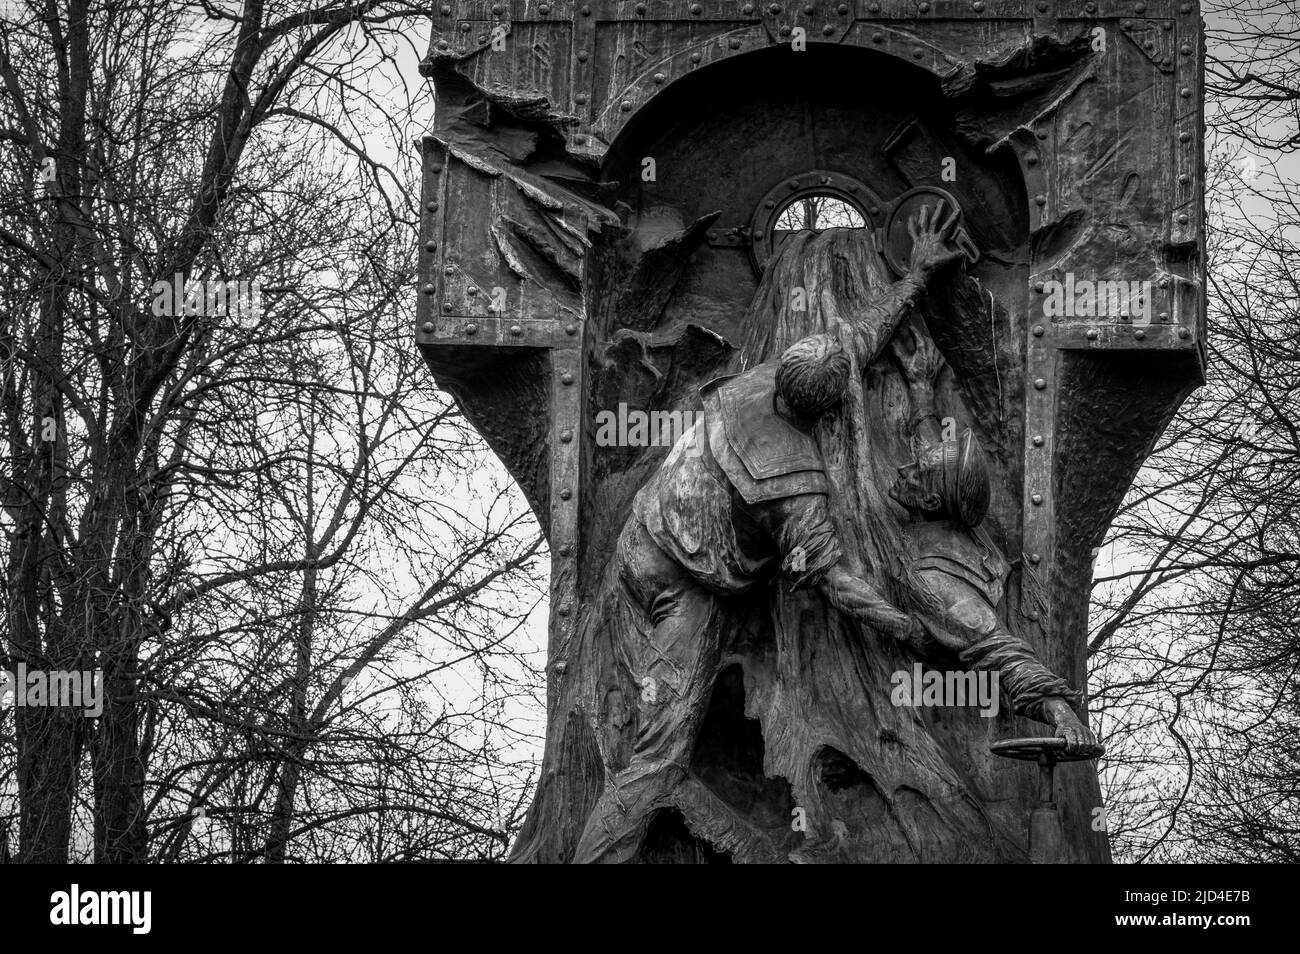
(813,375)
(946,479)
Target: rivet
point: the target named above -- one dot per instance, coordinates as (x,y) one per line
(1034,558)
(435,167)
(471,291)
(1164,283)
(1031,159)
(431,246)
(561,666)
(695,57)
(1042,7)
(566,551)
(580,98)
(1184,178)
(449,270)
(1040,199)
(443,45)
(465,28)
(1039,287)
(1090,7)
(516,330)
(626,106)
(563,610)
(1182,218)
(770,204)
(774,9)
(809,9)
(874,8)
(566,494)
(566,436)
(924,8)
(874,211)
(827,30)
(497,9)
(428,327)
(1149,45)
(1038,440)
(1037,499)
(471,329)
(877,38)
(445,10)
(1092,334)
(1140,335)
(918,53)
(1038,331)
(1185,93)
(1184,137)
(482,38)
(785,31)
(430,289)
(1185,8)
(582,56)
(1185,49)
(1140,9)
(842,9)
(734,42)
(1164,317)
(640,9)
(659,78)
(567,377)
(544,9)
(1184,333)
(570,329)
(696,9)
(978,6)
(447,307)
(586,10)
(1042,134)
(431,206)
(747,9)
(1040,384)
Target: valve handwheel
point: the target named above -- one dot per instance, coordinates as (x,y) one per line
(1046,840)
(1032,750)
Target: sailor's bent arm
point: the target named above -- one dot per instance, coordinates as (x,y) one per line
(971,628)
(867,332)
(855,597)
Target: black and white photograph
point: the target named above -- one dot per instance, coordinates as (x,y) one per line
(651,432)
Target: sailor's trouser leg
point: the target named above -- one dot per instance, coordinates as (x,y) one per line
(675,663)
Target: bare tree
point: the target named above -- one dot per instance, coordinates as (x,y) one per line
(236,513)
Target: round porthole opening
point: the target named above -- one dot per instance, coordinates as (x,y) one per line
(814,201)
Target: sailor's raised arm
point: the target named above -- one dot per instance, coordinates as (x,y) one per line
(867,332)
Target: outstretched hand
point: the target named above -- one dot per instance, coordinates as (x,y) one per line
(932,248)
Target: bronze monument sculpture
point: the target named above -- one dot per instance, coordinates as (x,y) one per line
(844,239)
